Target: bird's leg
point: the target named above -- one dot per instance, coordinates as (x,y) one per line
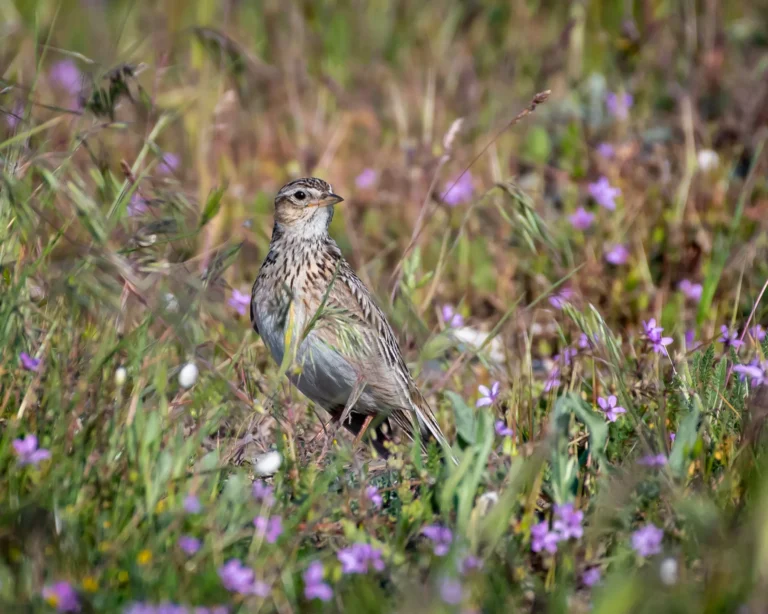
(338,419)
(364,428)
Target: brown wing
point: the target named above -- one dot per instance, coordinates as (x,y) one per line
(349,296)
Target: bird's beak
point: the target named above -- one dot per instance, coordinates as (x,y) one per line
(326,200)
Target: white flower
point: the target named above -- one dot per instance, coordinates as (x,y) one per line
(476,338)
(188,375)
(171,303)
(708,160)
(120,376)
(668,571)
(486,501)
(267,464)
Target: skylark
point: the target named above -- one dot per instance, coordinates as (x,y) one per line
(324,329)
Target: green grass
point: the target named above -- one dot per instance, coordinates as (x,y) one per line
(114,301)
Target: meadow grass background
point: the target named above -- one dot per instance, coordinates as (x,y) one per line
(141,145)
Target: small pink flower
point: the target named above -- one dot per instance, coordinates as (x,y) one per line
(366,179)
(489,396)
(62,596)
(28,362)
(617,254)
(372,494)
(451,317)
(608,405)
(269,528)
(27,451)
(239,301)
(582,219)
(619,104)
(192,504)
(604,194)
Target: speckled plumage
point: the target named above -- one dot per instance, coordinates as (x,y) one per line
(307,297)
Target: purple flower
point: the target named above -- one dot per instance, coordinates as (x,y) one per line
(358,558)
(650,328)
(606,150)
(14,116)
(543,539)
(609,407)
(618,104)
(469,563)
(582,219)
(754,370)
(168,164)
(502,430)
(268,528)
(585,342)
(489,396)
(263,492)
(238,578)
(603,193)
(757,332)
(450,591)
(672,437)
(568,522)
(691,290)
(188,544)
(314,587)
(66,75)
(653,460)
(451,317)
(729,338)
(653,334)
(192,504)
(29,363)
(239,301)
(372,494)
(460,193)
(561,297)
(690,338)
(441,538)
(617,254)
(646,541)
(553,379)
(137,205)
(27,451)
(366,179)
(591,576)
(62,596)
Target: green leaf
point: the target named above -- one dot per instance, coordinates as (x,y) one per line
(212,206)
(565,465)
(464,417)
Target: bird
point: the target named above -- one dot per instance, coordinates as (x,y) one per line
(323,327)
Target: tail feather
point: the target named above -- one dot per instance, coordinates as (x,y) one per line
(427,422)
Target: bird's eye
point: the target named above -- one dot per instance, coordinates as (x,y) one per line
(300,195)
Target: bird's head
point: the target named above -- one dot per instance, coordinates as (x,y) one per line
(306,205)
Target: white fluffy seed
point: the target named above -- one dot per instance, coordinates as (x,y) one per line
(708,160)
(171,303)
(668,571)
(120,376)
(267,464)
(188,375)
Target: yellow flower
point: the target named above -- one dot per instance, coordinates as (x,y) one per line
(52,600)
(90,585)
(144,557)
(106,524)
(122,576)
(161,506)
